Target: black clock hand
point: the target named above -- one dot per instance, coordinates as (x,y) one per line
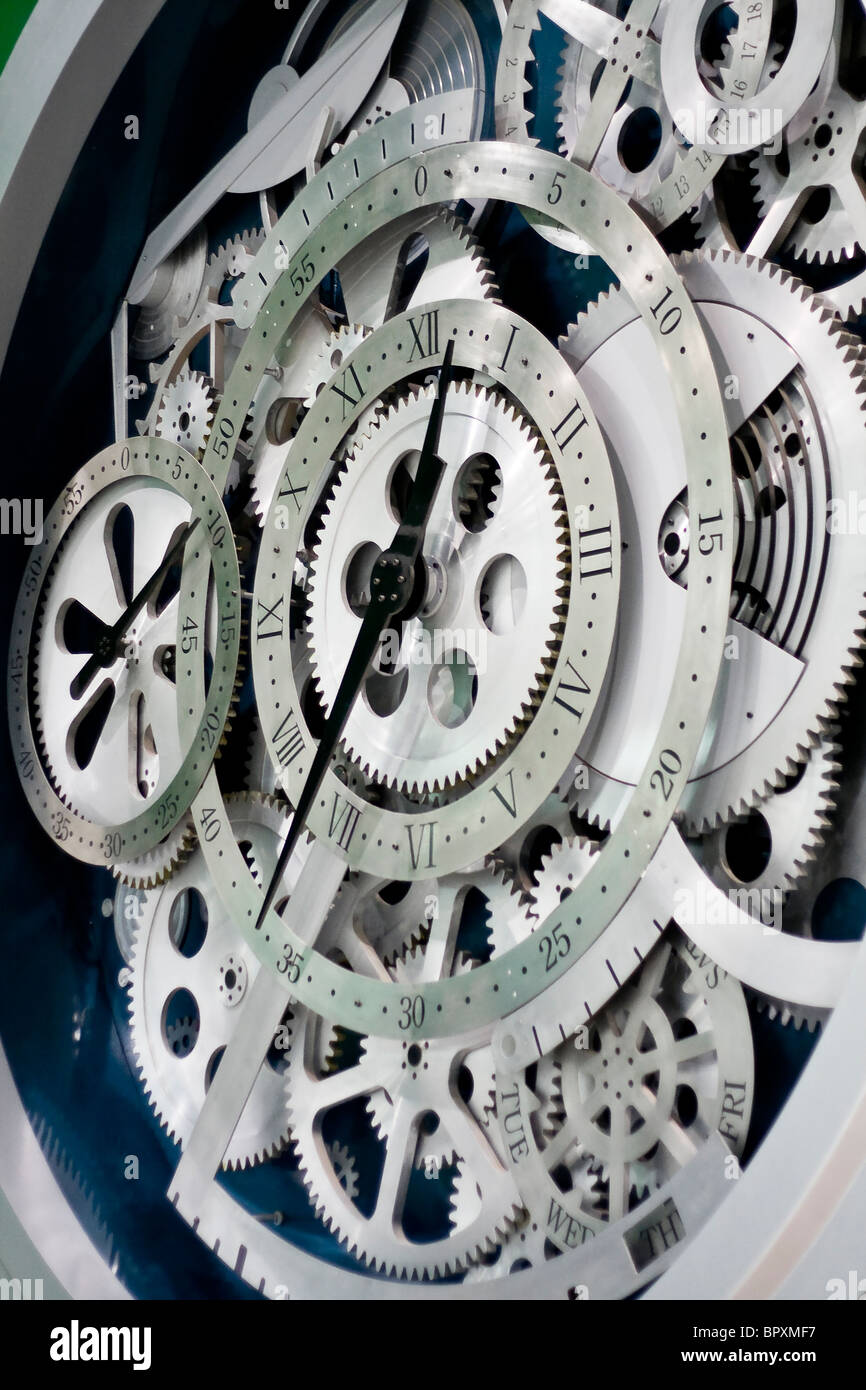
(391,591)
(106,647)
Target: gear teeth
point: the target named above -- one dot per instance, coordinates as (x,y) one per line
(154,869)
(267,1146)
(788,1014)
(186,411)
(445,781)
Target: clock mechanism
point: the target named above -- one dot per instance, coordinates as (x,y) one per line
(435,680)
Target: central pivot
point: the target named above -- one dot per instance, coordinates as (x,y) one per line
(392,581)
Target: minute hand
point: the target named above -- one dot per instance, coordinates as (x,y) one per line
(391,586)
(106,648)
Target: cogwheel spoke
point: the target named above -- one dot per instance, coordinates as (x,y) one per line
(94,585)
(617,1169)
(438,958)
(775,226)
(160,707)
(559,1146)
(675,1053)
(677,1141)
(470,1142)
(359,1080)
(115,756)
(397,1168)
(361,956)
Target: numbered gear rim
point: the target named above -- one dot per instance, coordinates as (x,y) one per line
(724,1007)
(85,838)
(834,372)
(446,170)
(446,235)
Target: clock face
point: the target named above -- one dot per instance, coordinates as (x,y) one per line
(431,676)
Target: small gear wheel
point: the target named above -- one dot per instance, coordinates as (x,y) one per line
(345,1168)
(232,260)
(469,668)
(187,410)
(331,356)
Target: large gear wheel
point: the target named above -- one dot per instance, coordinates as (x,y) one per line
(190,971)
(642,146)
(111,638)
(769,850)
(796,428)
(419,259)
(496,918)
(428,1108)
(449,700)
(639,1088)
(612,108)
(809,195)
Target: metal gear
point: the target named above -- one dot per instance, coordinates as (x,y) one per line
(189,972)
(810,195)
(519,856)
(153,868)
(523,1248)
(643,1086)
(613,112)
(800,420)
(417,1088)
(496,558)
(706,610)
(331,355)
(104,758)
(345,1168)
(186,411)
(420,258)
(788,1014)
(497,918)
(231,261)
(429,1108)
(786,830)
(642,146)
(560,873)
